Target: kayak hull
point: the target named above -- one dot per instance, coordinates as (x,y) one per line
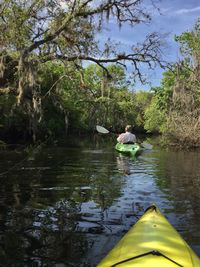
(131,149)
(152,241)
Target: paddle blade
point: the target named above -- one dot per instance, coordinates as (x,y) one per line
(101,129)
(146,146)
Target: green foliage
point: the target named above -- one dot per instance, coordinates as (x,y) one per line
(107,100)
(142,102)
(44,45)
(87,97)
(60,98)
(190,41)
(157,112)
(163,97)
(155,118)
(81,99)
(174,110)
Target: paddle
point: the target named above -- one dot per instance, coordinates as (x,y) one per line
(103,130)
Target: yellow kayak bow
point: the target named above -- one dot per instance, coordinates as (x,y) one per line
(151,242)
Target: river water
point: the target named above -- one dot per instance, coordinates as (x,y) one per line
(68,204)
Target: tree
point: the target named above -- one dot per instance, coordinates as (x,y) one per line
(34,32)
(174,110)
(184,116)
(190,44)
(155,118)
(142,102)
(106,101)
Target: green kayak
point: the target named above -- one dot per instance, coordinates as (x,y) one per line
(131,149)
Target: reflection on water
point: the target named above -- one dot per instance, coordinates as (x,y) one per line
(68,205)
(124,164)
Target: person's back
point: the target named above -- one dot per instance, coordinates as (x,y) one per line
(127,137)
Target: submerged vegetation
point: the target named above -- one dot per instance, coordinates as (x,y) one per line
(47,88)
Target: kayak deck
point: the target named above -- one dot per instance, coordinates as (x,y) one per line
(152,242)
(131,149)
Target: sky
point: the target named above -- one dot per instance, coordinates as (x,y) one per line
(174,18)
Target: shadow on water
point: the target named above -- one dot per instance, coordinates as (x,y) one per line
(68,205)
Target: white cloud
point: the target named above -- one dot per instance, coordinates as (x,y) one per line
(187,10)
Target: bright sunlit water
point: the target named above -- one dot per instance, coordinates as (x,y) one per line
(68,205)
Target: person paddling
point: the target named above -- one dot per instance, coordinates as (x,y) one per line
(127,137)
